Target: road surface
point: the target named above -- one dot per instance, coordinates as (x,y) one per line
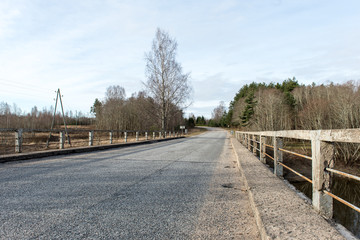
(181,189)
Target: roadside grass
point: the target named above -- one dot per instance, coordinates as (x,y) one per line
(195,131)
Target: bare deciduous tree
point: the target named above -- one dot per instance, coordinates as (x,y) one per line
(218,112)
(166,83)
(272,113)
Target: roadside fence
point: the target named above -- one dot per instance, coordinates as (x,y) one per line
(270,145)
(30,140)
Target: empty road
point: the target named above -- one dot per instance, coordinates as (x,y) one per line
(180,189)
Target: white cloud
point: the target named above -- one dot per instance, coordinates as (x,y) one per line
(83,47)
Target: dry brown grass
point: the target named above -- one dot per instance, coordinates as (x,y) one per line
(195,131)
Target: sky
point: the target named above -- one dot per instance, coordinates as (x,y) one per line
(85,46)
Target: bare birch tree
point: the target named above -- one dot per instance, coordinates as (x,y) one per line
(218,112)
(166,83)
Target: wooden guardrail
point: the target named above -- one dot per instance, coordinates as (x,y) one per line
(322,157)
(29,140)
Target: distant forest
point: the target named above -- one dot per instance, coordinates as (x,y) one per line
(114,112)
(137,112)
(290,105)
(14,117)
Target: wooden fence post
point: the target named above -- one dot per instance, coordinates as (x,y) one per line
(322,157)
(248,142)
(18,140)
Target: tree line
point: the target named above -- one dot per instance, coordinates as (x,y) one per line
(117,112)
(14,117)
(290,106)
(293,106)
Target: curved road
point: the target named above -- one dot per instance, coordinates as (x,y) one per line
(185,189)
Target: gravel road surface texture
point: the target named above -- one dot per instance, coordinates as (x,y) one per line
(183,189)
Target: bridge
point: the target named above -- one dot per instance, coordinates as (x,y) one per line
(204,187)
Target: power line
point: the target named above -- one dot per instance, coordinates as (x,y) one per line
(25,86)
(23,93)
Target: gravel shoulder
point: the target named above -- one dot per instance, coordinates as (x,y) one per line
(226,212)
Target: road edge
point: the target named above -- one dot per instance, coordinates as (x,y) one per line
(256,212)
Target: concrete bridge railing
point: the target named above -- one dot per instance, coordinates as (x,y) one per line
(28,140)
(322,157)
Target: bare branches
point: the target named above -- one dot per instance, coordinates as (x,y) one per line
(166,83)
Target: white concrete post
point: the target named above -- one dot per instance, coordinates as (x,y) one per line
(165,134)
(254,144)
(247,140)
(160,134)
(154,134)
(137,136)
(146,136)
(278,156)
(111,134)
(91,138)
(322,157)
(262,149)
(18,140)
(125,136)
(62,140)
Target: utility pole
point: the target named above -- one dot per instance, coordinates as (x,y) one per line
(58,96)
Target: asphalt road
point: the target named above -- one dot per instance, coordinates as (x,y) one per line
(181,189)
